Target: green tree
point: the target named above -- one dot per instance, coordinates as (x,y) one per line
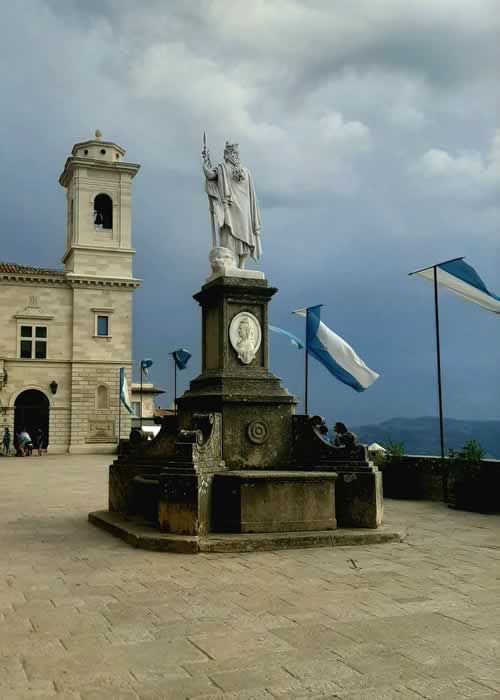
(471,452)
(395,448)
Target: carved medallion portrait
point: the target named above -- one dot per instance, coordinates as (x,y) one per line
(245,335)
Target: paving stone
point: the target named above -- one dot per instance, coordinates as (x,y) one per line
(321,665)
(34,692)
(385,692)
(11,672)
(253,694)
(233,643)
(103,694)
(83,616)
(249,678)
(450,688)
(306,690)
(33,643)
(311,637)
(130,633)
(176,689)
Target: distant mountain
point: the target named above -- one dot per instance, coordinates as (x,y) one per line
(421,435)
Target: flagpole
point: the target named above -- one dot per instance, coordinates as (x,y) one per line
(119,408)
(140,405)
(438,359)
(438,355)
(306,369)
(175,384)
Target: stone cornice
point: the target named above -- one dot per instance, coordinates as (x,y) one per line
(33,278)
(69,280)
(96,249)
(54,362)
(74,162)
(90,281)
(34,316)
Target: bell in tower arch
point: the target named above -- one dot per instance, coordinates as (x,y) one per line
(103,212)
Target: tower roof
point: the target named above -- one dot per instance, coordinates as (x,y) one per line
(97,142)
(98,154)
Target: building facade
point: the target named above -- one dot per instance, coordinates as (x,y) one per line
(145,407)
(66,333)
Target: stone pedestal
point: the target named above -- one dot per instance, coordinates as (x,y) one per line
(236,460)
(256,410)
(274,501)
(359,498)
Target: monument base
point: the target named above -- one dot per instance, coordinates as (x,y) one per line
(273,501)
(138,533)
(236,469)
(359,499)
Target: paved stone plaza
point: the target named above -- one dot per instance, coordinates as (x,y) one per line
(86,617)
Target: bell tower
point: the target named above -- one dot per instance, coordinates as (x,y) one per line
(98,184)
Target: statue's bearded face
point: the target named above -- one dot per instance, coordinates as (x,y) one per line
(232,155)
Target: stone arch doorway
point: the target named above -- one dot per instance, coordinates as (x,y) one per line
(32,412)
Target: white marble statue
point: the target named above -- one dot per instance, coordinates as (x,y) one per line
(233,205)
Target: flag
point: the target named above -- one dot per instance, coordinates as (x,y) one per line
(125,391)
(181,358)
(145,365)
(459,277)
(293,338)
(334,353)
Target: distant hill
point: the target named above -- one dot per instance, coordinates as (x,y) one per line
(421,435)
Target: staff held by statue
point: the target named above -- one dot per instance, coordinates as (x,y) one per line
(206,160)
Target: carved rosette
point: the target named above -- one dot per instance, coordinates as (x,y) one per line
(257,432)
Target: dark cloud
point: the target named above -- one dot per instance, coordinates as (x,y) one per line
(371,135)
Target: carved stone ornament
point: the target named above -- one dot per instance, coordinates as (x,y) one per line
(222,261)
(257,432)
(245,335)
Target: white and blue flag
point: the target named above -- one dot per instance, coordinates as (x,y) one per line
(125,391)
(291,337)
(181,358)
(145,365)
(459,277)
(334,353)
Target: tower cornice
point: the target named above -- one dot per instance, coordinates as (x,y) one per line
(72,163)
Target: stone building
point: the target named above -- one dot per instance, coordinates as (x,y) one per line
(66,333)
(149,393)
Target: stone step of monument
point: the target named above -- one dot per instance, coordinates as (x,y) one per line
(330,465)
(140,534)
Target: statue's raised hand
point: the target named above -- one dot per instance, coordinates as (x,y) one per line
(205,154)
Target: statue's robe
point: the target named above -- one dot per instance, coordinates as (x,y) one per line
(236,210)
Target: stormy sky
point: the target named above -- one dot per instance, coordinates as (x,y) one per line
(372,130)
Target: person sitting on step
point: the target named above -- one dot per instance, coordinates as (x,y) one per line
(343,438)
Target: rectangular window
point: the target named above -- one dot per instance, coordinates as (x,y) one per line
(26,348)
(136,408)
(103,325)
(40,350)
(33,342)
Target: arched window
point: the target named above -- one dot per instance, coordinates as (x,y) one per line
(102,397)
(103,211)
